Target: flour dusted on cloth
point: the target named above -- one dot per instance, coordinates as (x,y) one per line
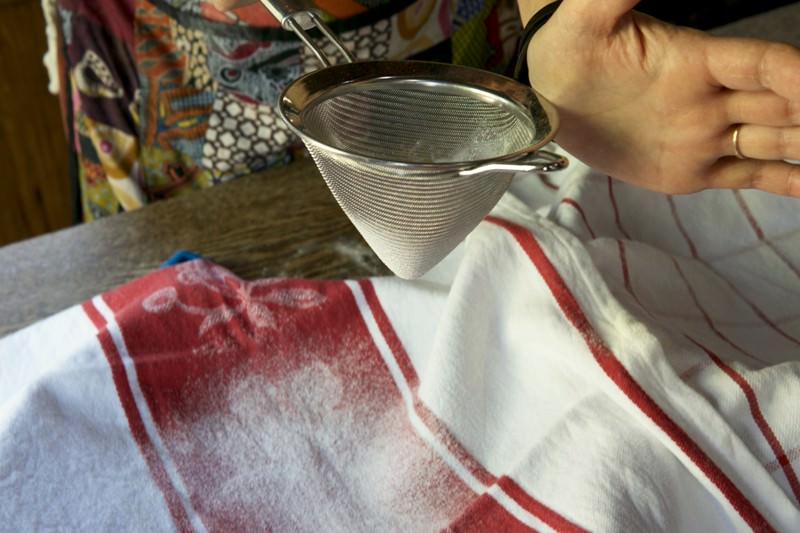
(593,357)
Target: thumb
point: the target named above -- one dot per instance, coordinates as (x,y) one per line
(593,16)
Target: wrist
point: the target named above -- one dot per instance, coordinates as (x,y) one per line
(527,8)
(532,26)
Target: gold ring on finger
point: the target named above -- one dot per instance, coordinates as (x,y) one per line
(736,150)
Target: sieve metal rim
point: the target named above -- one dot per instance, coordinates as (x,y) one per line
(323,84)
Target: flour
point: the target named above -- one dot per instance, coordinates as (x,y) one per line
(303,454)
(357,253)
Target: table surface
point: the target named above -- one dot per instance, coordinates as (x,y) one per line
(281,223)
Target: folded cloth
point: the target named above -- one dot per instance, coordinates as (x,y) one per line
(181,256)
(593,357)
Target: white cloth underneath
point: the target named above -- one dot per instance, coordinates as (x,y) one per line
(593,356)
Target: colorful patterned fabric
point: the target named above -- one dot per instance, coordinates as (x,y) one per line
(163,97)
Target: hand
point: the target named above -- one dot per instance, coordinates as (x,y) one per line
(657,105)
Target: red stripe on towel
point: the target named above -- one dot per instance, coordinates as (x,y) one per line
(443,434)
(761,314)
(760,233)
(487,514)
(388,332)
(581,212)
(433,423)
(537,508)
(94,315)
(617,217)
(707,317)
(617,372)
(626,275)
(759,418)
(676,217)
(135,422)
(547,182)
(282,374)
(792,456)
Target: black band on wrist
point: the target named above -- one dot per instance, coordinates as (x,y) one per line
(534,24)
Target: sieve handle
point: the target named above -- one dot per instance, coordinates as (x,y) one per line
(539,161)
(300,15)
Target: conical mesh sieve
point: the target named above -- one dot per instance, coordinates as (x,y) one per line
(415,153)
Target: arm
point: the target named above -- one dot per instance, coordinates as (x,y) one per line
(657,105)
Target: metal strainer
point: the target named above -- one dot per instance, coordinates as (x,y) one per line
(416,153)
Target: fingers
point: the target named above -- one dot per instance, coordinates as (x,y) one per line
(765,143)
(770,176)
(754,65)
(768,125)
(761,107)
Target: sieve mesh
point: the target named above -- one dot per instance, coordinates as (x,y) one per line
(417,153)
(397,121)
(410,218)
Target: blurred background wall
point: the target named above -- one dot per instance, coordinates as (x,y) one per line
(34,182)
(708,13)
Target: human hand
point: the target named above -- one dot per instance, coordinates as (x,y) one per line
(657,105)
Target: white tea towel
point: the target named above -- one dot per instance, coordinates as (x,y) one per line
(594,357)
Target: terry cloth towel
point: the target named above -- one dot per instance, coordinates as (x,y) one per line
(593,357)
